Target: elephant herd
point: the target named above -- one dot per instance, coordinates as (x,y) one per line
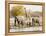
(25,22)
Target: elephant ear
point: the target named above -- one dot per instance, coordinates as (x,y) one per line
(17,11)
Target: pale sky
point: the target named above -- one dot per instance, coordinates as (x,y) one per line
(31,7)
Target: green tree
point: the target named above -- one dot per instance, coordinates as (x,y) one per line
(17,11)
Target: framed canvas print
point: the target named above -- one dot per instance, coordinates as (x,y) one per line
(24,17)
